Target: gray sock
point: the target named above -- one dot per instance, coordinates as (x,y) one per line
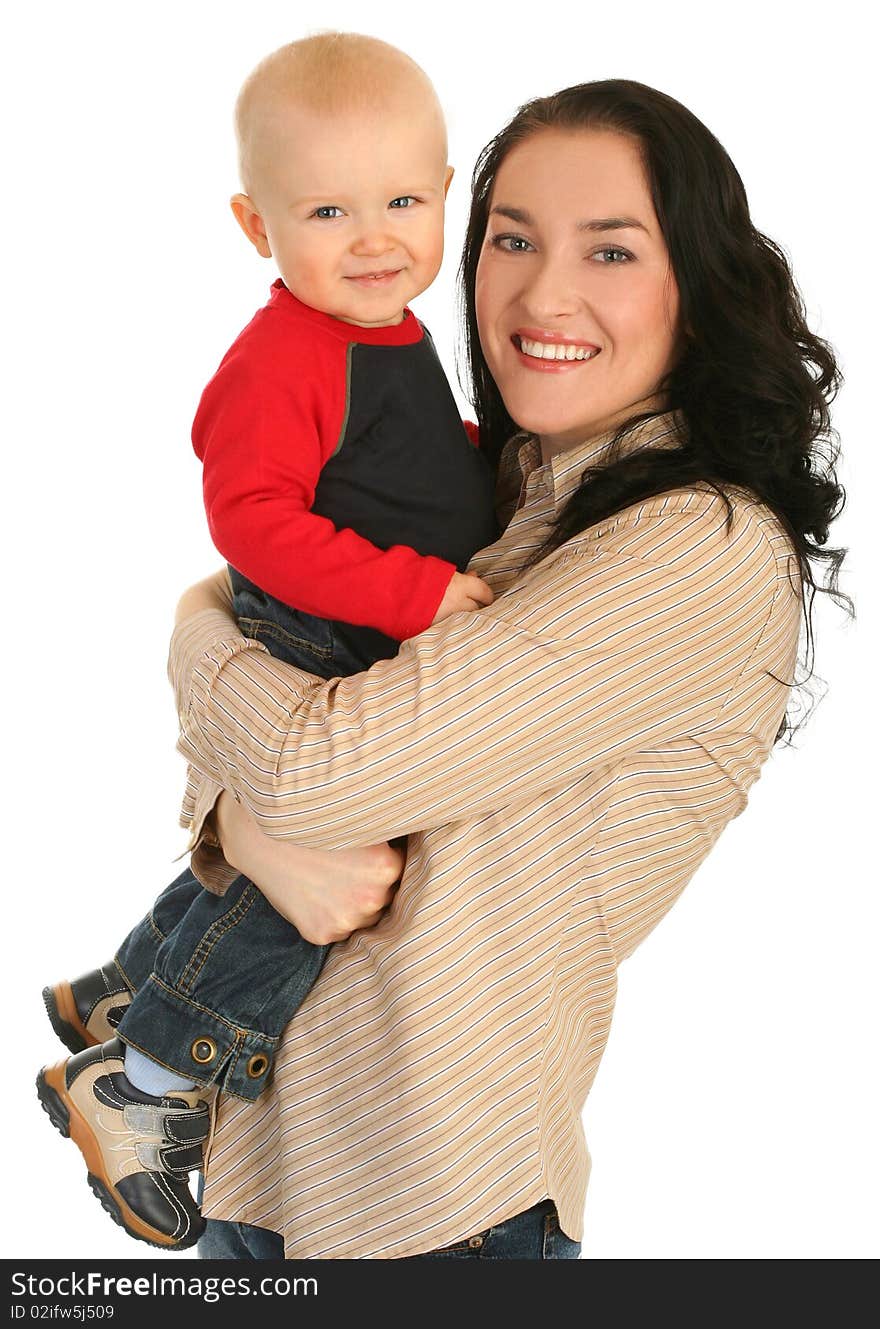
(151,1078)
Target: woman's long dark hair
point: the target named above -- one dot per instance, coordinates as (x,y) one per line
(753,384)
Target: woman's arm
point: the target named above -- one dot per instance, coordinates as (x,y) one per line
(214,592)
(632,637)
(326,894)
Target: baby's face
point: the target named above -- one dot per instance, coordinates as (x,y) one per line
(353,210)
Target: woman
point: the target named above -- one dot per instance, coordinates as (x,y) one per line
(561,761)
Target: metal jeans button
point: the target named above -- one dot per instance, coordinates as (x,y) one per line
(203,1051)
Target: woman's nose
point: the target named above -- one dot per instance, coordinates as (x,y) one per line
(551,291)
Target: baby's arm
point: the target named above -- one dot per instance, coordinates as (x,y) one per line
(264,438)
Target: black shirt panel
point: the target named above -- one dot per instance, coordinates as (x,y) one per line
(404,473)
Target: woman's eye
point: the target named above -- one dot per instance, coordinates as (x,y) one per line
(511,244)
(328,212)
(612,254)
(405,201)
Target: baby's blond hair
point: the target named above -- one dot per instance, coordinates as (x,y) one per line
(327,73)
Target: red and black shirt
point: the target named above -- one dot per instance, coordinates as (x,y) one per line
(338,476)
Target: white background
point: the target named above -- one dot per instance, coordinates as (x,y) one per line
(735,1114)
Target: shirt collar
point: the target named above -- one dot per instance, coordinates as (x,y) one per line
(564,469)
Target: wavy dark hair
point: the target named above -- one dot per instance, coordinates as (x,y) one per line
(752,385)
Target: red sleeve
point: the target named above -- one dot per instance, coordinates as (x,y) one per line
(263,434)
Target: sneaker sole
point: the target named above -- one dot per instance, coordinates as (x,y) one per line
(64,1017)
(69,1121)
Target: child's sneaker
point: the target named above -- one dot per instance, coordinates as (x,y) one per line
(138,1148)
(86,1011)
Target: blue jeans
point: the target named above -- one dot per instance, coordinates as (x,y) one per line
(532,1235)
(216,978)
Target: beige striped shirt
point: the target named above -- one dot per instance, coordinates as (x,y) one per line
(562,762)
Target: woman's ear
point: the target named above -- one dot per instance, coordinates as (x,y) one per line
(450,172)
(251,222)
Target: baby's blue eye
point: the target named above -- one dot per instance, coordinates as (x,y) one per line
(327,212)
(405,201)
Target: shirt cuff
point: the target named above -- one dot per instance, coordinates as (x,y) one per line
(416,614)
(210,868)
(207,862)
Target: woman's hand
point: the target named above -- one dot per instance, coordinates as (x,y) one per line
(212,592)
(325,894)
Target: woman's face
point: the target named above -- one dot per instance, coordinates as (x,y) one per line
(574,265)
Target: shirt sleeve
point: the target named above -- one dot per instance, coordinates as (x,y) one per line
(592,655)
(263,438)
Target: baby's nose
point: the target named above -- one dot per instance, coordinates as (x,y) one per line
(373,241)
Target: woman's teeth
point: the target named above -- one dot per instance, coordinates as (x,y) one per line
(545,350)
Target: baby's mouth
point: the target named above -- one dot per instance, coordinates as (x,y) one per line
(380,278)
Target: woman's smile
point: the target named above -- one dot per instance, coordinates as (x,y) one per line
(547,352)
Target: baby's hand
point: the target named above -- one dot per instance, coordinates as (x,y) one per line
(464,592)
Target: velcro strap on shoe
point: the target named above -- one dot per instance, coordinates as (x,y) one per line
(184,1127)
(172,1124)
(147,1154)
(145,1118)
(181,1158)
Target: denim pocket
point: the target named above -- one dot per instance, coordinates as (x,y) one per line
(301,639)
(296,647)
(289,634)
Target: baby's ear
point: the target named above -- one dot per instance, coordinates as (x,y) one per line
(251,222)
(450,172)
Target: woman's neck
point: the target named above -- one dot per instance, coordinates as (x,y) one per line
(554,444)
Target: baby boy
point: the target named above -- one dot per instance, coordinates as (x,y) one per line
(347,497)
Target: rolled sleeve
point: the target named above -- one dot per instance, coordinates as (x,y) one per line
(199,643)
(588,657)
